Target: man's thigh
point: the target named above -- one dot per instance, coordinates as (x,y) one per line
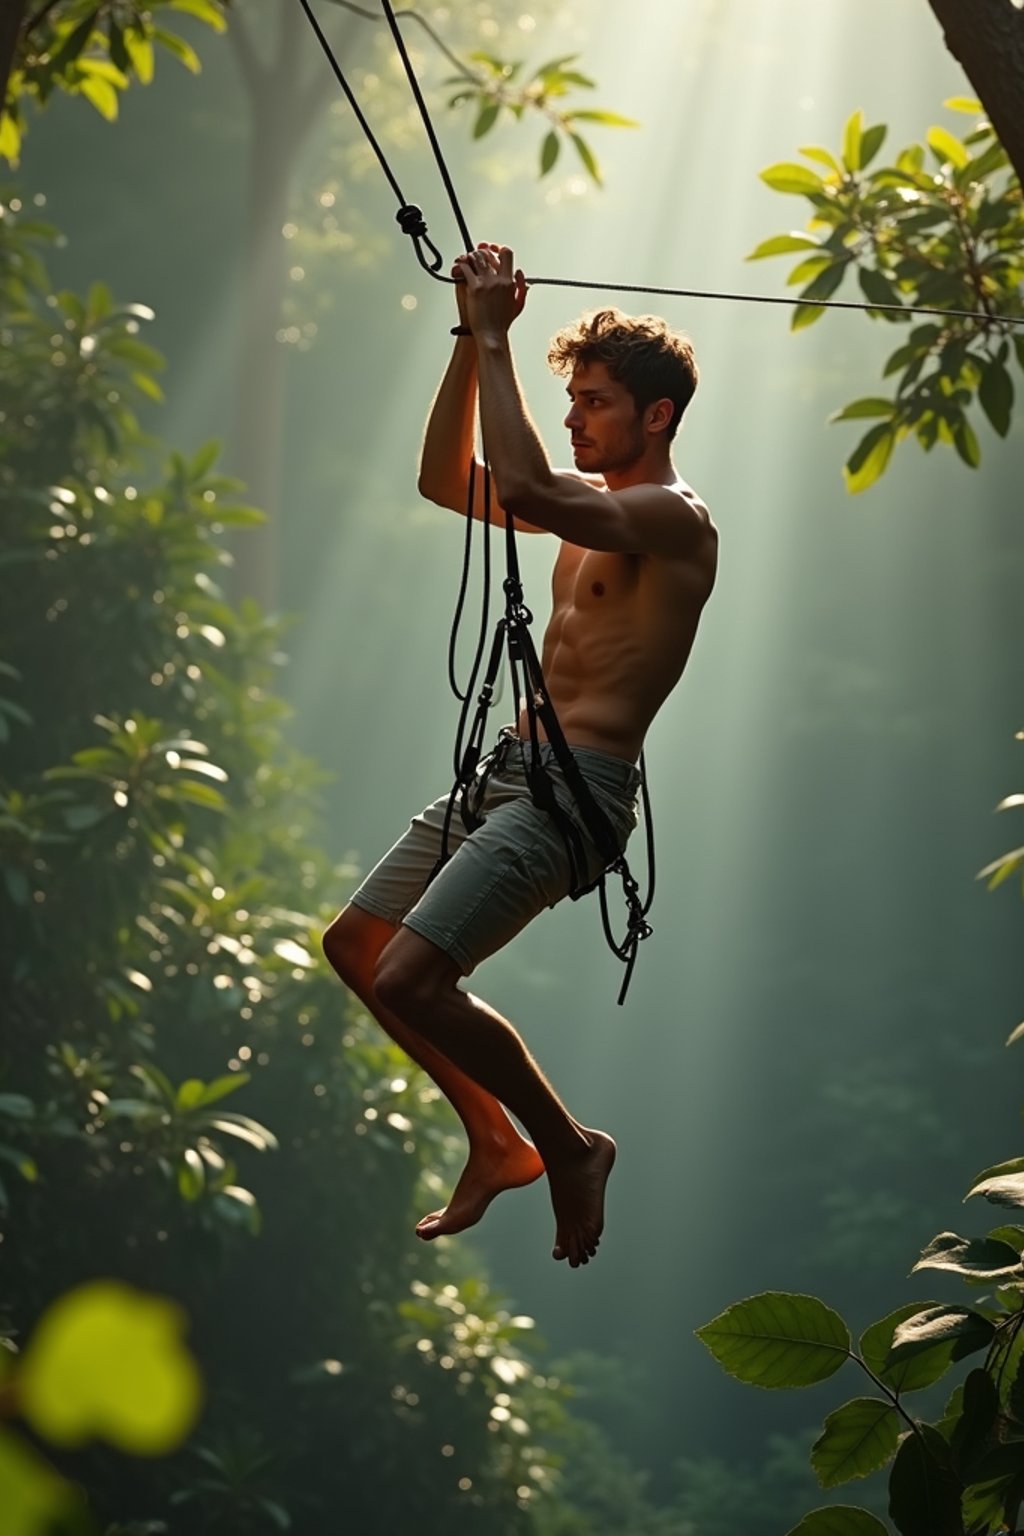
(501,877)
(398,880)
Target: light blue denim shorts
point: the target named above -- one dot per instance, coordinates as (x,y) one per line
(500,876)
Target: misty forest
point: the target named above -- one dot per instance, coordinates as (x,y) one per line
(226,658)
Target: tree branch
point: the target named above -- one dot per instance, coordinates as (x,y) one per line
(11,18)
(987,38)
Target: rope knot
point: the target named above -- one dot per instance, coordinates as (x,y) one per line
(411,221)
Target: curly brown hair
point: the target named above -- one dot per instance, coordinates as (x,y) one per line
(640,352)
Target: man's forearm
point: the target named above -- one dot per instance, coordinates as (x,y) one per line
(449,443)
(511,441)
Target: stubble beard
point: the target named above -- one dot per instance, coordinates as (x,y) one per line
(620,456)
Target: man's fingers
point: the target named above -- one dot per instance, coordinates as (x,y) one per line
(505,261)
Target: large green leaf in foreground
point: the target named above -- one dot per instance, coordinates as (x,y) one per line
(108,1361)
(842,1520)
(778,1339)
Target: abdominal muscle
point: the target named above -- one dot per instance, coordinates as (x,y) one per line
(620,633)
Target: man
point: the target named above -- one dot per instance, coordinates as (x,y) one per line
(635,565)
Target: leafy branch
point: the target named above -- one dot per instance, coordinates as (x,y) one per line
(491,89)
(947,237)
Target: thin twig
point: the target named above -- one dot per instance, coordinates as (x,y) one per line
(40,15)
(438,41)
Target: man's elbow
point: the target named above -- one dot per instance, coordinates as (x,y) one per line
(523,497)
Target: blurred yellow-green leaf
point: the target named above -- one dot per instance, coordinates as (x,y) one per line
(107,1361)
(33,1495)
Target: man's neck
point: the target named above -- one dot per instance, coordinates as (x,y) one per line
(644,472)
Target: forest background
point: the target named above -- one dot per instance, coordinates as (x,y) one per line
(810,1063)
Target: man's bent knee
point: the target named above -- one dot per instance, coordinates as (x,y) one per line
(353,943)
(412,973)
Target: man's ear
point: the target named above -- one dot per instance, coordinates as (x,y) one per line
(659,415)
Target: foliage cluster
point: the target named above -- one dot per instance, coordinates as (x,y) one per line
(161,896)
(962,1475)
(946,237)
(92,50)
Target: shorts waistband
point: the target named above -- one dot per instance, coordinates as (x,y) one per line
(602,765)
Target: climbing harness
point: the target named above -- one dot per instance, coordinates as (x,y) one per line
(512,639)
(512,633)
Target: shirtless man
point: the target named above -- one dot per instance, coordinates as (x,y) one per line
(635,565)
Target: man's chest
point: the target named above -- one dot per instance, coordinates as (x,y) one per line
(592,580)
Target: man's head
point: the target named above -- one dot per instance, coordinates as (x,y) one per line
(630,380)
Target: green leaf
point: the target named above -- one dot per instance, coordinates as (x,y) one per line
(969,104)
(778,1339)
(947,148)
(966,442)
(840,1520)
(140,51)
(824,285)
(148,386)
(108,1361)
(999,870)
(549,152)
(17,1106)
(102,95)
(609,119)
(871,142)
(586,154)
(870,459)
(191,1175)
(805,315)
(25,1165)
(973,1434)
(239,1206)
(788,177)
(10,138)
(74,43)
(974,1258)
(871,405)
(822,156)
(876,287)
(924,1493)
(1002,1189)
(218,1089)
(996,394)
(34,1497)
(181,50)
(852,140)
(205,10)
(781,245)
(857,1439)
(486,119)
(805,271)
(913,1373)
(965,1330)
(245,1129)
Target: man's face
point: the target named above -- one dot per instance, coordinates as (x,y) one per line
(604,424)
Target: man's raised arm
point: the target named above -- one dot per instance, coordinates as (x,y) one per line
(448,455)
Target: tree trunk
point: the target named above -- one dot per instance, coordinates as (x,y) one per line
(286,95)
(987,37)
(12,16)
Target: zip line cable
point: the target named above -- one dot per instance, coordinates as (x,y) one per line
(410,218)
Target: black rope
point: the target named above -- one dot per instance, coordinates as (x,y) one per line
(409,214)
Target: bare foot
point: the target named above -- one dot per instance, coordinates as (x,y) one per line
(577,1194)
(486,1174)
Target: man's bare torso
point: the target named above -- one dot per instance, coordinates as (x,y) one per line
(620,633)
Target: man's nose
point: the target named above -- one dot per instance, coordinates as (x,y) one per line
(572,418)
